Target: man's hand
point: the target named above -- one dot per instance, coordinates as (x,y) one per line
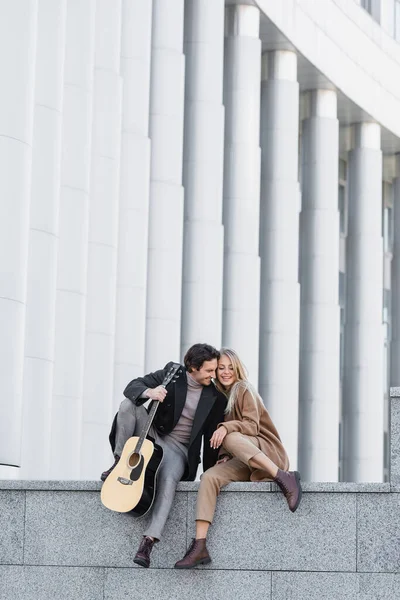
(218,437)
(224,459)
(157,393)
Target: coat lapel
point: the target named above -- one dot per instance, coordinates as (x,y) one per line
(180,395)
(206,403)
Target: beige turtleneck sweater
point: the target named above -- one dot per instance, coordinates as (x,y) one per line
(183,428)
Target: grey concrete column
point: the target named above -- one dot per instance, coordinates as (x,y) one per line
(43,239)
(97,410)
(363,406)
(66,427)
(130,319)
(165,245)
(319,383)
(203,161)
(242,77)
(279,237)
(395,343)
(18,22)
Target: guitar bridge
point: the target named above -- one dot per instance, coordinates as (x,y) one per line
(124,481)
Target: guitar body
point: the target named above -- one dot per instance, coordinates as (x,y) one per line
(131,485)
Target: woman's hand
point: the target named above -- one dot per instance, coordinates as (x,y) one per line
(223,459)
(218,437)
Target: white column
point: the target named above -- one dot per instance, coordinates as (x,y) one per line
(395,344)
(17,65)
(73,242)
(363,406)
(134,195)
(103,237)
(164,271)
(319,278)
(203,173)
(241,304)
(279,238)
(43,239)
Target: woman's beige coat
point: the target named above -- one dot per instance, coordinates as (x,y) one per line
(250,417)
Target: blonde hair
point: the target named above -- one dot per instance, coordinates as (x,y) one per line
(241,384)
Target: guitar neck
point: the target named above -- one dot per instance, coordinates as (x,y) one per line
(147,426)
(172,374)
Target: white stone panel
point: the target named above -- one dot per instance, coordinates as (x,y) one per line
(203,174)
(165,242)
(363,408)
(18,31)
(97,406)
(66,427)
(279,241)
(395,346)
(134,195)
(43,242)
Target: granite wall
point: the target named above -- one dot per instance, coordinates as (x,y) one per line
(58,541)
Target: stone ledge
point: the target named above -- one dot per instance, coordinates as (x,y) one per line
(253,531)
(51,485)
(193,486)
(94,583)
(99,583)
(395,438)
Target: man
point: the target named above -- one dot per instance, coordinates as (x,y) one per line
(190,409)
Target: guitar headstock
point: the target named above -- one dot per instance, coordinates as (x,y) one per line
(173,374)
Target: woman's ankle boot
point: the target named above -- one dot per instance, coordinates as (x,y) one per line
(197,554)
(289,482)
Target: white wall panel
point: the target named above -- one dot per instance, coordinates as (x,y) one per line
(18,25)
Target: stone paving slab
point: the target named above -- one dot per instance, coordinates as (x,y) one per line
(12,512)
(314,586)
(264,535)
(74,528)
(395,443)
(378,586)
(335,586)
(49,583)
(125,584)
(378,533)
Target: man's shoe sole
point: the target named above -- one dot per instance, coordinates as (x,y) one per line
(203,561)
(141,562)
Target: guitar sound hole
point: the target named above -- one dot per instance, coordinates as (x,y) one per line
(134,460)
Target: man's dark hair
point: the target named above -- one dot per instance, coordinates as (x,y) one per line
(197,354)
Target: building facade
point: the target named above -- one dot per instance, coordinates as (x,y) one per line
(177,171)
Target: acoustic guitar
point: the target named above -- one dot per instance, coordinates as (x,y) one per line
(131,485)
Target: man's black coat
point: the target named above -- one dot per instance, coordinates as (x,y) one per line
(209,413)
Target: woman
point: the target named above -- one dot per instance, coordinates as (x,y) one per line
(251,450)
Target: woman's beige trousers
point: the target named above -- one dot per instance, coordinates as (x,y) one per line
(243,448)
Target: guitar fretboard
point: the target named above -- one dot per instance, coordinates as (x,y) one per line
(171,375)
(147,426)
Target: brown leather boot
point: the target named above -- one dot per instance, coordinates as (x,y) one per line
(142,556)
(289,482)
(105,474)
(197,554)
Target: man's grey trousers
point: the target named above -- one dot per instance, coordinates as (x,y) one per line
(131,420)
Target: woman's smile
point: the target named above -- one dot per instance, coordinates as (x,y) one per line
(225,371)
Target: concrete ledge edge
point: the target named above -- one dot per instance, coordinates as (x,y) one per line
(193,486)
